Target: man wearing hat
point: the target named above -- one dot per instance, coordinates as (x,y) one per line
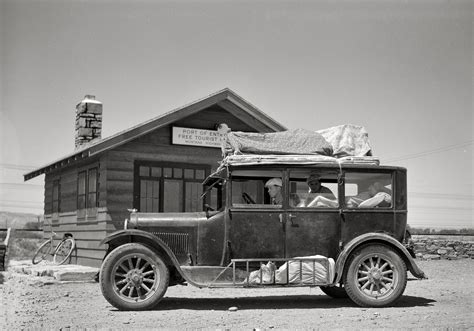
(314,184)
(316,189)
(274,190)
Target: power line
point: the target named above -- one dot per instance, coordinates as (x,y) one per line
(441,195)
(22,201)
(429,152)
(21,185)
(18,166)
(17,206)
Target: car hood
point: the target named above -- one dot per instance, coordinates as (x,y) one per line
(166,219)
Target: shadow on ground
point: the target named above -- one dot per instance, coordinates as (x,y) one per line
(2,278)
(275,302)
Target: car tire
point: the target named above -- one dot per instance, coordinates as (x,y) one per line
(133,277)
(376,276)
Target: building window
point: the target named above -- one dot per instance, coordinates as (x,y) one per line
(88,193)
(81,190)
(55,200)
(169,187)
(92,189)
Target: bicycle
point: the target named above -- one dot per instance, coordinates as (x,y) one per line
(60,253)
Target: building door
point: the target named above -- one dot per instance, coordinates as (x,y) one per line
(166,187)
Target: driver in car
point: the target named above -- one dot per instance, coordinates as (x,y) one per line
(274,190)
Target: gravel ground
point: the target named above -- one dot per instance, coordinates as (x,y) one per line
(444,301)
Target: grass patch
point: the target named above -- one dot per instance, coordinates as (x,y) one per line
(23,248)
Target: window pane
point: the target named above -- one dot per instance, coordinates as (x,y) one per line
(55,190)
(55,198)
(55,206)
(368,190)
(149,189)
(168,172)
(242,190)
(156,207)
(81,183)
(149,195)
(200,174)
(81,202)
(143,188)
(144,171)
(178,173)
(313,189)
(156,189)
(91,201)
(192,200)
(189,173)
(92,180)
(173,197)
(156,172)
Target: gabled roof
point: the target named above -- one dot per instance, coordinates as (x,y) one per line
(225,98)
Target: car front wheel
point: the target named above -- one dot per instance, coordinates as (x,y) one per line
(376,276)
(133,277)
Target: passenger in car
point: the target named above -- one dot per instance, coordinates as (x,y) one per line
(274,190)
(380,196)
(376,196)
(316,192)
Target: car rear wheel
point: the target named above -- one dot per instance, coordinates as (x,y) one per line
(376,276)
(133,277)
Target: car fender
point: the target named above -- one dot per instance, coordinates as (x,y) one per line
(380,238)
(132,235)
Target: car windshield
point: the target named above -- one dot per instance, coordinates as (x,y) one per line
(212,192)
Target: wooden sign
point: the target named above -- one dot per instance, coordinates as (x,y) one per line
(196,137)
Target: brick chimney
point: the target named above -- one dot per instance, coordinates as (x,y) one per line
(88,121)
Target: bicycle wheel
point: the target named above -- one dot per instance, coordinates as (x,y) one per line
(42,252)
(64,250)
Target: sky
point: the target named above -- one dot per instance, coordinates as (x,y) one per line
(402,69)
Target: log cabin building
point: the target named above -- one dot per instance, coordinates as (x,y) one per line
(157,166)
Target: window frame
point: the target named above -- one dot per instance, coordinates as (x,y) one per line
(368,174)
(262,175)
(171,171)
(85,210)
(56,199)
(334,174)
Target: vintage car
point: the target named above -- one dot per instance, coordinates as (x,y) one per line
(349,242)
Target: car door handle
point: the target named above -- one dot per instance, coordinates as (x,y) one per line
(293,225)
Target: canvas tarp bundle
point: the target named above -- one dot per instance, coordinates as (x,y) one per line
(316,269)
(298,141)
(348,140)
(338,141)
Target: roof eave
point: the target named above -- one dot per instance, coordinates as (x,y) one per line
(58,164)
(139,130)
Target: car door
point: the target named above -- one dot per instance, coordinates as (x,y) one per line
(312,228)
(255,225)
(361,216)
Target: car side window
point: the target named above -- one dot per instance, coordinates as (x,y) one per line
(257,188)
(311,188)
(368,190)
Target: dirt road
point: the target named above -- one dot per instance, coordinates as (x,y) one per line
(445,300)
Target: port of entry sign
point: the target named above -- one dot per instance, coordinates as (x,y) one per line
(196,137)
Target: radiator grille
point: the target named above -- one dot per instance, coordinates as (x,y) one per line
(177,242)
